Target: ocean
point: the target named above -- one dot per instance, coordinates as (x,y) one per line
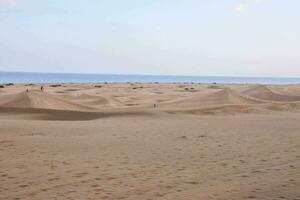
(26,77)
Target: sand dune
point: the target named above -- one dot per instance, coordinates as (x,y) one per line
(200,101)
(37,99)
(39,105)
(90,100)
(221,97)
(228,101)
(265,93)
(229,96)
(220,142)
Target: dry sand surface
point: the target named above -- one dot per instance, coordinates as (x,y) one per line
(107,141)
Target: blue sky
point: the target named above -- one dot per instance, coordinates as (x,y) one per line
(176,37)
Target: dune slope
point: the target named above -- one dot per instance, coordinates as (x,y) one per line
(265,93)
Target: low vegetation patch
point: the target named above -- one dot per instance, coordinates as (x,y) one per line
(214,87)
(71,90)
(55,85)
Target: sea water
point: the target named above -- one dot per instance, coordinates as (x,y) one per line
(26,77)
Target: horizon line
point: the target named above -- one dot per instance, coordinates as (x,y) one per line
(170,75)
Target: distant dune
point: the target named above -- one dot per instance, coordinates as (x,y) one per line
(201,101)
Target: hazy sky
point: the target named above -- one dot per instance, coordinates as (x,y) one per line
(183,37)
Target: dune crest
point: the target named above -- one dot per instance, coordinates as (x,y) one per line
(230,96)
(222,97)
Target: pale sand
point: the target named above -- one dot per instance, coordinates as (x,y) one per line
(211,142)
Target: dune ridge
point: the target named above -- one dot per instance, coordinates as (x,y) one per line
(220,97)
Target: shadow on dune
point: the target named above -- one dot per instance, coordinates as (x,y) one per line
(65,115)
(217,110)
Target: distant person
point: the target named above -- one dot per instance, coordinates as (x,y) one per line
(42,88)
(27,90)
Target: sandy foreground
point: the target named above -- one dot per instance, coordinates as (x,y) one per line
(150,141)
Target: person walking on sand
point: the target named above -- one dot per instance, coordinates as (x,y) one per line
(27,90)
(42,88)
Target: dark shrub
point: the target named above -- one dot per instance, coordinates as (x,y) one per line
(56,85)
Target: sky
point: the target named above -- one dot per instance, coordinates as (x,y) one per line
(158,37)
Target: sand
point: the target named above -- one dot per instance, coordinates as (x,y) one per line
(78,141)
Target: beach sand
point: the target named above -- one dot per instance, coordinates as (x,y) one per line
(150,142)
